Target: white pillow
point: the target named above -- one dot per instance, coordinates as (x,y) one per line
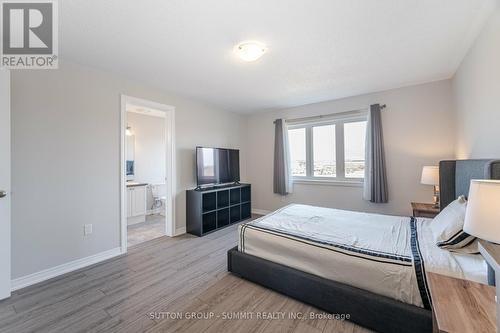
(447,226)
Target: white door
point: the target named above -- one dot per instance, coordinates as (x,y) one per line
(4,184)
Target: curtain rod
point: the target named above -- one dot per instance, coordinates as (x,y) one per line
(327,115)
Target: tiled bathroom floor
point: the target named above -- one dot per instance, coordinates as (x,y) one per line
(154,227)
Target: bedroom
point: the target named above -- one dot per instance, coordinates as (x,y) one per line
(433,64)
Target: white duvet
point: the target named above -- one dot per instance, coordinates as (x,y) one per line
(369,251)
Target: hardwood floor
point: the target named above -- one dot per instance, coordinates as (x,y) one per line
(153,289)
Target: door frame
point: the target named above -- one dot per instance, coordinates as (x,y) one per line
(170,172)
(5,226)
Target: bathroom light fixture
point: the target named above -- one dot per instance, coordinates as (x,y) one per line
(128,131)
(250,50)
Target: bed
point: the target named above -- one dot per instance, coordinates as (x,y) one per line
(322,256)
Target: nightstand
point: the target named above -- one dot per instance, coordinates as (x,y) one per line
(424,209)
(491,254)
(461,305)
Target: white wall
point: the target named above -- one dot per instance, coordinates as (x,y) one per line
(66,160)
(476,91)
(418,126)
(150,145)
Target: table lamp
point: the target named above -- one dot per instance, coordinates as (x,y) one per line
(482,219)
(430,176)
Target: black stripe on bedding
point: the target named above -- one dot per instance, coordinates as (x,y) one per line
(243,228)
(399,263)
(452,237)
(241,237)
(370,252)
(254,224)
(470,240)
(417,259)
(362,251)
(460,239)
(418,262)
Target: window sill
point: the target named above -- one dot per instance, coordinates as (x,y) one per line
(329,182)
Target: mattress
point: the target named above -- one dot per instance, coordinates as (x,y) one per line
(386,255)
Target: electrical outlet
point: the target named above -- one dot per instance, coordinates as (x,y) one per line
(87,229)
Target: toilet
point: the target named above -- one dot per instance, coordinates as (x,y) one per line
(163,201)
(159,192)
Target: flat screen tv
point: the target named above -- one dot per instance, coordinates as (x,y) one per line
(217,166)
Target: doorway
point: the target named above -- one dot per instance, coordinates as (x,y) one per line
(147,171)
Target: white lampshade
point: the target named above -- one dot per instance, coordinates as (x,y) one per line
(430,175)
(482,218)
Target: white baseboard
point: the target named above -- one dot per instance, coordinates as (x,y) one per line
(260,211)
(50,273)
(180,231)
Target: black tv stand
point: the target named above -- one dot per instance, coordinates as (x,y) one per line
(212,208)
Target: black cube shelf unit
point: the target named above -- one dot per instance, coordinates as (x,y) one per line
(210,209)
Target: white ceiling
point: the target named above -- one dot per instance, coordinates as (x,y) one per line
(317,49)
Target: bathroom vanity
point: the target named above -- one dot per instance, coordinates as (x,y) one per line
(136,202)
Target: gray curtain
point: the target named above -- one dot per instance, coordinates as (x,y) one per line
(282,177)
(375,183)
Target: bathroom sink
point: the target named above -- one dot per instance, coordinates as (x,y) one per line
(132,183)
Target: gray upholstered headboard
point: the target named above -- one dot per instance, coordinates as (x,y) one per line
(455,176)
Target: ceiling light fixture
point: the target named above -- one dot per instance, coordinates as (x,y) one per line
(250,50)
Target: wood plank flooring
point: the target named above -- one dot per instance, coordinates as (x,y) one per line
(155,288)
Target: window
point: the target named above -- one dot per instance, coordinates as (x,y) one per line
(297,142)
(324,151)
(332,149)
(354,145)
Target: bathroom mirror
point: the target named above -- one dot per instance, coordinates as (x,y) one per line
(130,157)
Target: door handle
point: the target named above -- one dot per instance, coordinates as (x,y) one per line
(3,194)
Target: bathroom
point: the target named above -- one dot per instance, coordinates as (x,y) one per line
(145,172)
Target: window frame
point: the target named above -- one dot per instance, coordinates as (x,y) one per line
(338,121)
